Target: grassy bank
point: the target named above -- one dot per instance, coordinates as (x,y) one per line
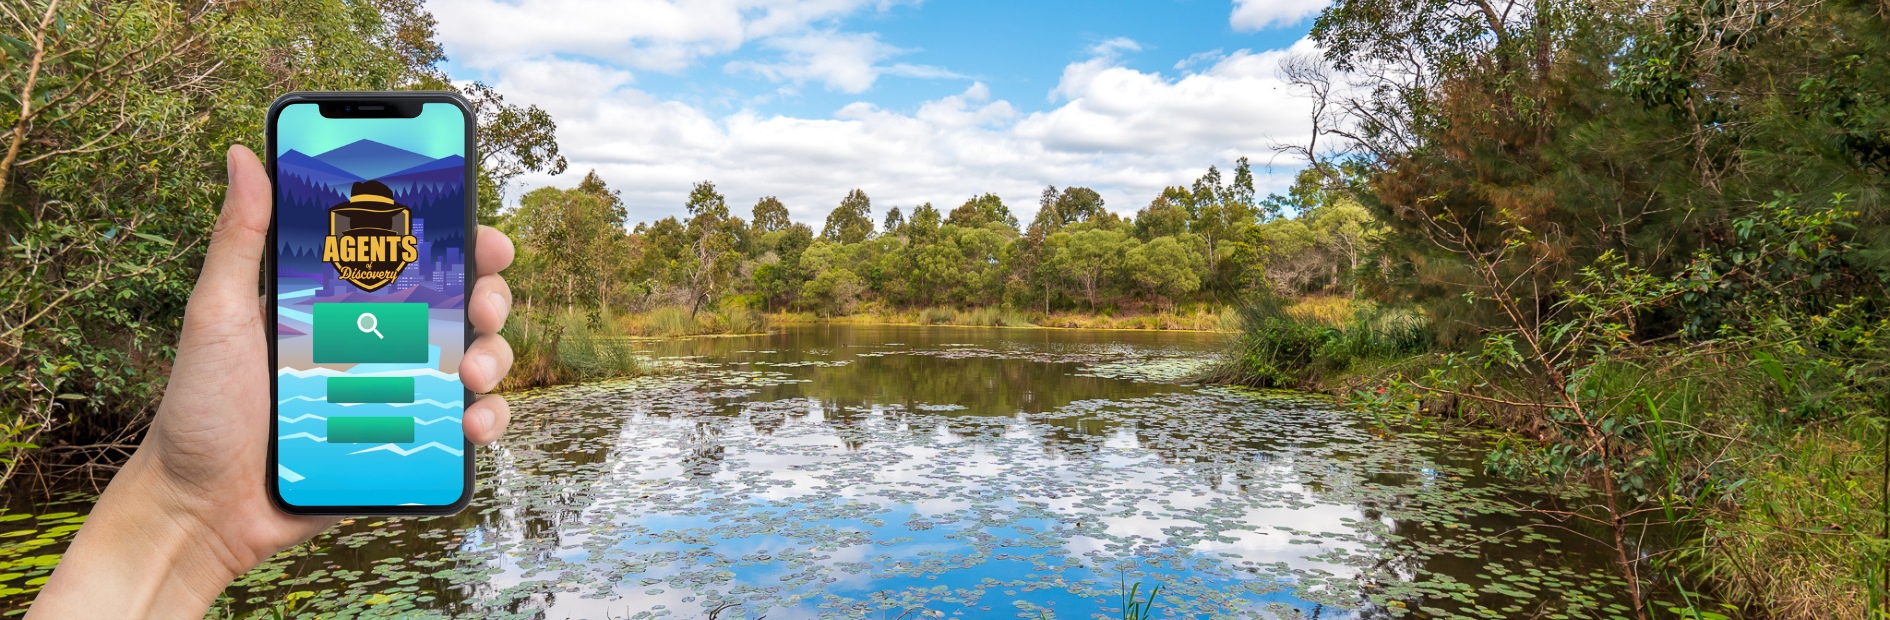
(554,347)
(1198,320)
(672,321)
(1764,457)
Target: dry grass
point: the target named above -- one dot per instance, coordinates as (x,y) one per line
(1331,310)
(1793,545)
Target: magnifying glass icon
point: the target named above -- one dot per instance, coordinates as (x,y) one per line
(368,323)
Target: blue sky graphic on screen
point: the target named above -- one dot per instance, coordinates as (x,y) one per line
(370,292)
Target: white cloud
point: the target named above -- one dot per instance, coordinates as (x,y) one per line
(1113,47)
(847,62)
(1239,103)
(1121,131)
(1253,15)
(657,35)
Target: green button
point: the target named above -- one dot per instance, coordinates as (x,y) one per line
(370,333)
(370,429)
(348,390)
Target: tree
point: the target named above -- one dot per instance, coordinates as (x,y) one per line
(1166,267)
(513,140)
(981,210)
(1220,212)
(710,257)
(1090,256)
(1349,230)
(834,292)
(852,221)
(613,199)
(112,143)
(770,215)
(1072,205)
(894,221)
(924,223)
(567,233)
(1163,217)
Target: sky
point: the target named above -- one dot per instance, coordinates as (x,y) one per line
(909,100)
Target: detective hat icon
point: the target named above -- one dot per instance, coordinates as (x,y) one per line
(371,192)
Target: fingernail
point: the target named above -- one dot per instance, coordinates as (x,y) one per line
(491,368)
(480,419)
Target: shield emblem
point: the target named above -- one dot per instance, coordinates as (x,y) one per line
(369,230)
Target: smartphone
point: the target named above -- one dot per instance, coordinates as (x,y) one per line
(370,261)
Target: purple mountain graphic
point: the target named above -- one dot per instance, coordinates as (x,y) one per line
(367,159)
(449,171)
(297,159)
(443,163)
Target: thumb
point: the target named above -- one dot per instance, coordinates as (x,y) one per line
(236,244)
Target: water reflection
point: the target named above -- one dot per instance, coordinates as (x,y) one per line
(861,472)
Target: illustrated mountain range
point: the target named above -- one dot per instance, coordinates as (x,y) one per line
(310,184)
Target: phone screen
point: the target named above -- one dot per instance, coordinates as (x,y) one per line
(370,290)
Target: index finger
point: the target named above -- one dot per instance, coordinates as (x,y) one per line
(494,251)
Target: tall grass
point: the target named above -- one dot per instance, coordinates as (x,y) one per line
(551,347)
(1198,320)
(1282,346)
(672,321)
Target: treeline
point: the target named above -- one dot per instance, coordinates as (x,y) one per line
(117,117)
(1650,240)
(1209,243)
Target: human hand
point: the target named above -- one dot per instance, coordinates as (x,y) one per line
(190,511)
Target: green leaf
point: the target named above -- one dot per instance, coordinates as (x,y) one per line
(154,238)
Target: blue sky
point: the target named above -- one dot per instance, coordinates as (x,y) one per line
(930,101)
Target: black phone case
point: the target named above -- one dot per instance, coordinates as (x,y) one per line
(269,284)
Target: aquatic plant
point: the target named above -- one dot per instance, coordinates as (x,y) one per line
(1133,609)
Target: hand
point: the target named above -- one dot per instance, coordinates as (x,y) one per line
(190,512)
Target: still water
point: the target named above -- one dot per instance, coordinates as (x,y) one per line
(911,472)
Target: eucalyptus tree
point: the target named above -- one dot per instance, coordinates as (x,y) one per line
(852,221)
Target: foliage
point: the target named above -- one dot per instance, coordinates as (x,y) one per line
(116,117)
(770,215)
(852,221)
(563,236)
(983,210)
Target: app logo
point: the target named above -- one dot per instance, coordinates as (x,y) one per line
(370,237)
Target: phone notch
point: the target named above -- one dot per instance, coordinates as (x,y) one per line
(370,109)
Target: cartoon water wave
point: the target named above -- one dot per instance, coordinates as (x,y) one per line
(303,436)
(396,449)
(423,401)
(416,420)
(330,372)
(288,475)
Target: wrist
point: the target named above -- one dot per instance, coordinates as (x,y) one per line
(154,551)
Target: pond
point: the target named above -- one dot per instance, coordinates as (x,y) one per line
(911,472)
